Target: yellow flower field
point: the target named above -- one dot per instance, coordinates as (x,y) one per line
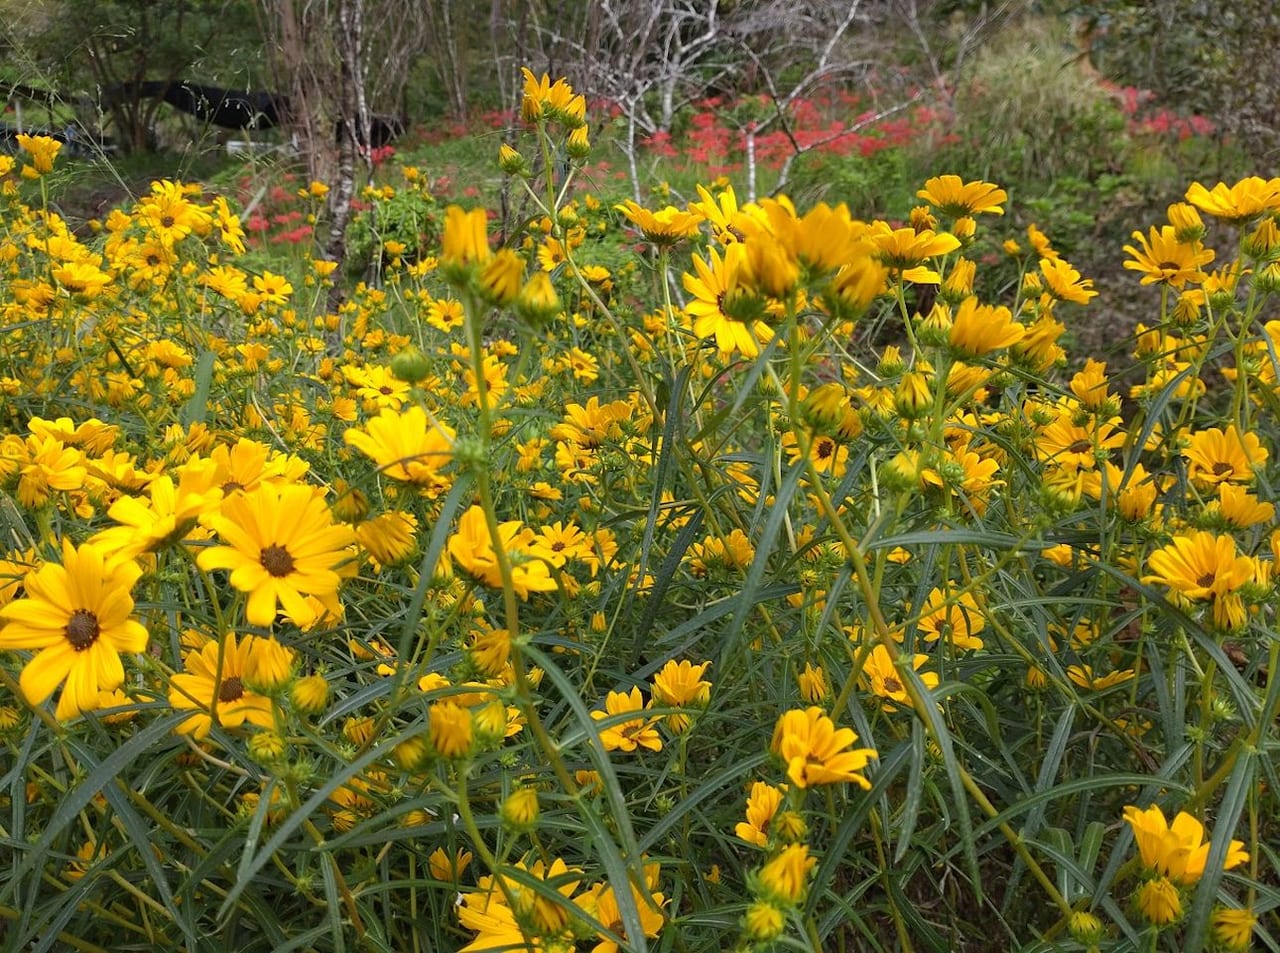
(518,601)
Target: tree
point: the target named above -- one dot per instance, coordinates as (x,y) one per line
(98,54)
(339,62)
(1219,60)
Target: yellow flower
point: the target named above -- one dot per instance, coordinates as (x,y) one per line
(310,694)
(501,277)
(784,878)
(1082,676)
(1200,566)
(45,465)
(1159,902)
(602,904)
(721,211)
(732,553)
(445,314)
(1163,259)
(722,308)
(629,734)
(1064,282)
(1090,384)
(680,685)
(827,454)
(1178,850)
(272,288)
(1085,928)
(82,278)
(813,683)
(170,215)
(1072,445)
(448,867)
(1236,204)
(881,677)
(472,549)
(269,666)
(953,197)
(667,226)
(578,144)
(967,475)
(1214,456)
(377,386)
(1233,928)
(168,515)
(815,750)
(958,284)
(764,921)
(212,686)
(903,251)
(537,301)
(544,99)
(42,149)
(1241,508)
(281,545)
(77,616)
(388,538)
(510,161)
(520,809)
(978,329)
(406,445)
(450,730)
(490,650)
(957,619)
(560,542)
(484,911)
(464,240)
(762,804)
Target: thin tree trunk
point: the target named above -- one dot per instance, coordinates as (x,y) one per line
(354,126)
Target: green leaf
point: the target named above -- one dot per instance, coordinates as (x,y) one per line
(196,409)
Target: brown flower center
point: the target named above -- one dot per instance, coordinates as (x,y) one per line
(1205,581)
(231,689)
(167,221)
(231,486)
(1222,467)
(82,629)
(276,560)
(891,684)
(1080,446)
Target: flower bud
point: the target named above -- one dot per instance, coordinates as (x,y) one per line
(763,921)
(411,753)
(310,694)
(501,277)
(450,730)
(520,810)
(511,162)
(268,665)
(410,365)
(267,747)
(914,396)
(578,146)
(538,302)
(1085,928)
